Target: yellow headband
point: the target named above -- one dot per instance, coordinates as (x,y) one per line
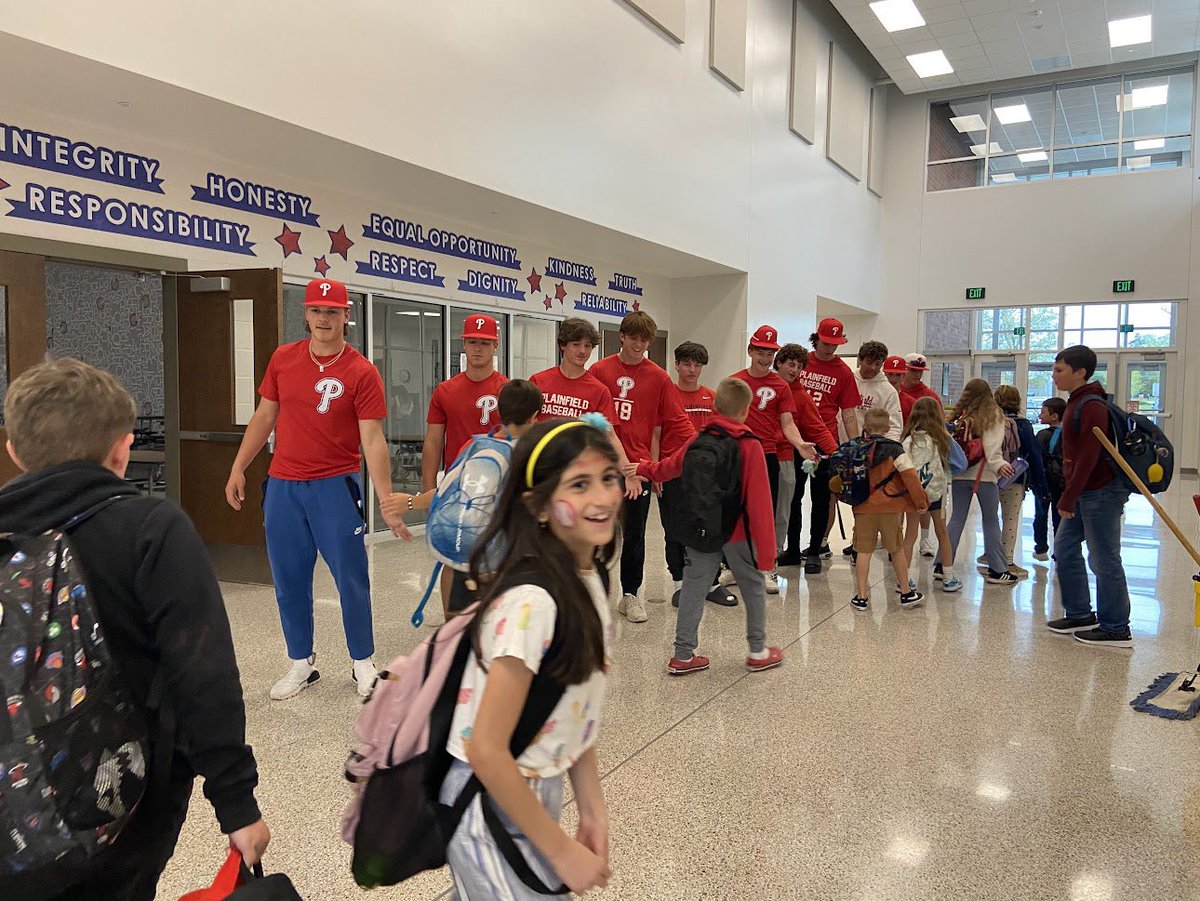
(537,450)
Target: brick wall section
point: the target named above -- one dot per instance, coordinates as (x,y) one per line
(947,143)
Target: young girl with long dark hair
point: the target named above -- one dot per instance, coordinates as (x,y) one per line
(544,611)
(927,443)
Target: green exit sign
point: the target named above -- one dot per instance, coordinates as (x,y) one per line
(1126,328)
(1123,286)
(1019,331)
(975,293)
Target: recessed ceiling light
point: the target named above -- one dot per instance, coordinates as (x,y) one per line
(928,65)
(1155,95)
(897,15)
(1003,177)
(1123,32)
(1011,115)
(981,149)
(973,122)
(1034,156)
(1138,162)
(1150,144)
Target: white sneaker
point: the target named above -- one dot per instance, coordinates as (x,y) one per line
(1019,571)
(727,577)
(632,608)
(928,548)
(299,677)
(771,581)
(365,676)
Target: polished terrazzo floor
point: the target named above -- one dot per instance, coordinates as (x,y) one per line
(955,750)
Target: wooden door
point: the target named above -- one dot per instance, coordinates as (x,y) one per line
(23,291)
(209,435)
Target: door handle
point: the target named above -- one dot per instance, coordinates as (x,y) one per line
(213,437)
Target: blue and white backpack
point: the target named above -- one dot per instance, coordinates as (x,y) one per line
(462,506)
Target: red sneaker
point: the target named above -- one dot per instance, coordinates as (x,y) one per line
(694,664)
(773,659)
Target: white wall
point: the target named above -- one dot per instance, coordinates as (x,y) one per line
(1053,243)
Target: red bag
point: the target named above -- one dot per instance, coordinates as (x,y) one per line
(229,877)
(235,883)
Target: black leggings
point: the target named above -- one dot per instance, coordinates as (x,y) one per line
(633,547)
(818,517)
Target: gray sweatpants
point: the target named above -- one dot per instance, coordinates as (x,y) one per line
(783,506)
(697,580)
(989,511)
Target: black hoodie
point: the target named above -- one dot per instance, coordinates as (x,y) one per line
(161,609)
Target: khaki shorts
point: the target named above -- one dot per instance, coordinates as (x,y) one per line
(887,526)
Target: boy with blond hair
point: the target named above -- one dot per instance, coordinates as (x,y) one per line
(749,547)
(160,611)
(881,515)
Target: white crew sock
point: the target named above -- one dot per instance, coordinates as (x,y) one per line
(759,655)
(679,586)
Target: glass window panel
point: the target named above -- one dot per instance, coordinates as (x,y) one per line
(1101,315)
(1157,104)
(1081,162)
(1043,340)
(1150,315)
(999,372)
(1021,120)
(1146,387)
(1101,374)
(1044,318)
(458,316)
(947,331)
(1152,337)
(535,345)
(956,125)
(950,176)
(1013,169)
(1041,387)
(1101,338)
(1087,112)
(1072,337)
(1073,316)
(1156,153)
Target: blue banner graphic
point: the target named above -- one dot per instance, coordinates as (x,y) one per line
(626,283)
(571,272)
(439,240)
(125,217)
(493,285)
(262,200)
(408,269)
(25,147)
(598,303)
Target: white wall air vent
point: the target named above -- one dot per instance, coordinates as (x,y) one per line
(1050,63)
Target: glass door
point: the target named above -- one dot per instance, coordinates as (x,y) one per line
(947,375)
(1039,385)
(998,370)
(1147,390)
(1106,372)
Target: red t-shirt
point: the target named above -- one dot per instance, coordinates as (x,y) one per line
(831,386)
(466,408)
(909,396)
(808,420)
(698,408)
(562,396)
(316,435)
(643,397)
(772,398)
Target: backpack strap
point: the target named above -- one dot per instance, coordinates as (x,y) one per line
(91,511)
(418,616)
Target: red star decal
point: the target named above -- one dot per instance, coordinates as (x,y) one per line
(3,184)
(289,241)
(322,268)
(559,292)
(636,306)
(339,243)
(547,302)
(535,280)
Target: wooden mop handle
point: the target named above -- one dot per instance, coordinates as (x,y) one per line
(1133,477)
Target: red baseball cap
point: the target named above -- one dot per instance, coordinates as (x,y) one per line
(325,292)
(831,331)
(895,363)
(480,325)
(916,362)
(766,337)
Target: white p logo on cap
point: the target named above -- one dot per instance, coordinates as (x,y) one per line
(479,324)
(325,288)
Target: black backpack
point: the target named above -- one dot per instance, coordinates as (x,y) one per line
(74,750)
(711,491)
(851,464)
(1141,444)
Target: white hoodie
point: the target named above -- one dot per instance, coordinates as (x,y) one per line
(878,392)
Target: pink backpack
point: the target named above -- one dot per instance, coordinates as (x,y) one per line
(395,820)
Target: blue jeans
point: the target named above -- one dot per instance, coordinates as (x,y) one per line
(1045,511)
(1097,521)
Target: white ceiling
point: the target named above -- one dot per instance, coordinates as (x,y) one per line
(993,40)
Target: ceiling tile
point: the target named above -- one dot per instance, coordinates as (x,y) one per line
(1091,24)
(1123,9)
(952,27)
(980,7)
(955,41)
(1003,21)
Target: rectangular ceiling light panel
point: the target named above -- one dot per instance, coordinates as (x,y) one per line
(931,64)
(1127,32)
(1002,177)
(981,149)
(1138,162)
(1011,115)
(1034,156)
(897,15)
(964,124)
(1150,144)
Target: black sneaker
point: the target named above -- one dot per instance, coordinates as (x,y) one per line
(826,553)
(1004,578)
(912,599)
(1105,638)
(848,551)
(853,557)
(812,564)
(718,594)
(790,558)
(1069,624)
(675,599)
(860,603)
(938,576)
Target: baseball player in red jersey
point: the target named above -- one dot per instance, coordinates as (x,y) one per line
(644,399)
(324,401)
(465,405)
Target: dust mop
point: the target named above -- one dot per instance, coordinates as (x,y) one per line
(1173,696)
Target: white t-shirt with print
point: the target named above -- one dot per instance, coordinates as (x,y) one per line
(520,623)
